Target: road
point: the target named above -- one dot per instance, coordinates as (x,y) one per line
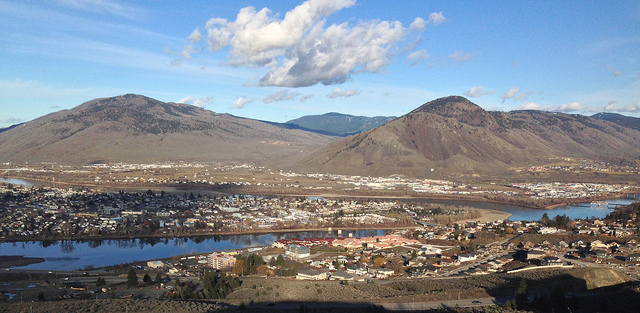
(437,304)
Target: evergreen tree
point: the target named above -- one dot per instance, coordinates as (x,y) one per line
(100,282)
(521,300)
(158,278)
(132,278)
(146,279)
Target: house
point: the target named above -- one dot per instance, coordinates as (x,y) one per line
(551,260)
(342,275)
(310,274)
(467,257)
(155,264)
(297,251)
(535,255)
(383,273)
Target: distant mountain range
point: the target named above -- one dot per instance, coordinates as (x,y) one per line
(452,135)
(133,128)
(622,120)
(444,137)
(340,124)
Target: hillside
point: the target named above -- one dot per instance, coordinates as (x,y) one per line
(622,120)
(340,124)
(453,136)
(138,129)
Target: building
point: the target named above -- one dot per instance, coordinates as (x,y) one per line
(155,264)
(297,251)
(220,261)
(310,274)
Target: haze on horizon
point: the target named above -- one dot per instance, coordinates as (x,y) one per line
(280,61)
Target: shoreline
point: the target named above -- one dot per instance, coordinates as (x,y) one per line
(486,215)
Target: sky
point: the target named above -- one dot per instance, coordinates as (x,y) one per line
(280,60)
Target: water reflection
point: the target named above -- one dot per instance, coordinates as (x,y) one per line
(98,253)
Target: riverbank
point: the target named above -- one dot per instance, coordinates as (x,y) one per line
(486,215)
(7,261)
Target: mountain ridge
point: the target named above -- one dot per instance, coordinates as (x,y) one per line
(135,128)
(453,136)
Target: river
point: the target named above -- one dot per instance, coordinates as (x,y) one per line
(519,213)
(74,255)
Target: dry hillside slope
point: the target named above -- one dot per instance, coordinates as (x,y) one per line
(134,128)
(452,135)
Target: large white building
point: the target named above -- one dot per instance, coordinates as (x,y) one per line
(297,251)
(220,261)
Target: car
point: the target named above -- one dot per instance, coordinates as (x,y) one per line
(476,301)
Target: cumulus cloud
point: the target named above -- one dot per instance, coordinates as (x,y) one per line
(565,107)
(461,57)
(241,102)
(476,92)
(512,92)
(195,35)
(570,107)
(282,95)
(436,18)
(343,93)
(630,108)
(418,57)
(532,106)
(201,102)
(300,49)
(418,24)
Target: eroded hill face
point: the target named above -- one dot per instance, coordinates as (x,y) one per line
(134,128)
(454,136)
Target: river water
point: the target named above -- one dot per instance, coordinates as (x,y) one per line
(73,255)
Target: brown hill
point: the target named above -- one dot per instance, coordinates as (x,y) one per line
(452,135)
(134,128)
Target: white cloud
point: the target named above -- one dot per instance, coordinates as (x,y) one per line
(201,102)
(300,49)
(461,57)
(570,107)
(241,102)
(186,100)
(630,108)
(305,98)
(418,24)
(436,18)
(195,35)
(532,106)
(282,95)
(476,92)
(418,57)
(510,93)
(343,93)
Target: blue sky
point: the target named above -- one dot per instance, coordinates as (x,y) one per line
(279,60)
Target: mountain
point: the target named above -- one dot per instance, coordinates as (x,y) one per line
(340,124)
(622,120)
(453,136)
(137,129)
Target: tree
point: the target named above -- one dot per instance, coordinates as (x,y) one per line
(146,279)
(100,282)
(379,261)
(132,278)
(238,267)
(521,295)
(158,278)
